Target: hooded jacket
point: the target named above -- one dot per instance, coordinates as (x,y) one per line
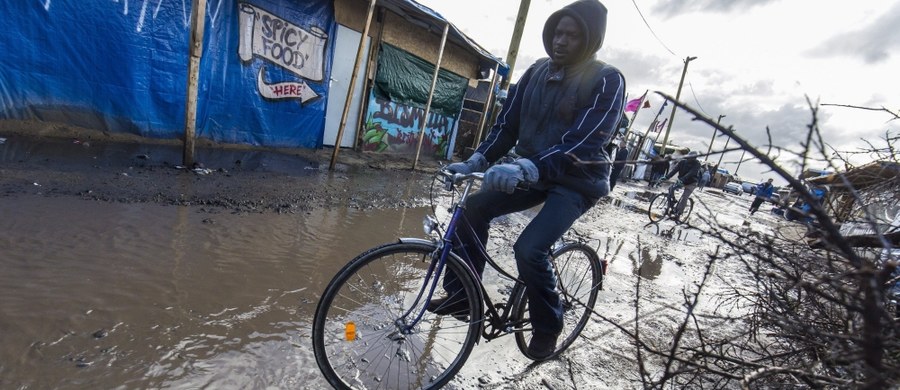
(688,170)
(560,118)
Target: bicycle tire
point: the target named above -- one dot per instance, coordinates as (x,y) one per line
(373,291)
(659,207)
(686,213)
(579,277)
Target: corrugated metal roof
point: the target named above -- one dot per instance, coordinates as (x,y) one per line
(861,177)
(432,21)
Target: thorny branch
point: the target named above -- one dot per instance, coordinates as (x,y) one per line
(805,316)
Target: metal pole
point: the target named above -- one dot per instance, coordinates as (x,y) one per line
(514,42)
(636,153)
(434,78)
(677,96)
(198,23)
(359,55)
(633,116)
(708,151)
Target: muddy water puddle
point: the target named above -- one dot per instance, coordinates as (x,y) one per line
(115,295)
(108,295)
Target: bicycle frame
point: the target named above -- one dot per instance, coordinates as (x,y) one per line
(498,320)
(671,198)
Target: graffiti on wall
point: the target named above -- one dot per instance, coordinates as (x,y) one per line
(283,44)
(394,128)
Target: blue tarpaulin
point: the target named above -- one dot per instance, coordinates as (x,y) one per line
(121,66)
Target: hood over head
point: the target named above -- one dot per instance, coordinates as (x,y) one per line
(591,15)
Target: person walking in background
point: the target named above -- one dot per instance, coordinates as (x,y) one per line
(618,164)
(558,117)
(764,191)
(704,178)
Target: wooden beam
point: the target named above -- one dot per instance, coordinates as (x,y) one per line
(198,23)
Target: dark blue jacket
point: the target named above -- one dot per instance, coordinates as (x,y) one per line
(561,131)
(561,117)
(765,190)
(688,170)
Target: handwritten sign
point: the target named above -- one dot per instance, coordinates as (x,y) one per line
(268,36)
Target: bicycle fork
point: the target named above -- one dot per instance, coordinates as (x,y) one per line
(435,269)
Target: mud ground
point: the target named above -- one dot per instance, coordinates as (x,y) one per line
(47,160)
(53,160)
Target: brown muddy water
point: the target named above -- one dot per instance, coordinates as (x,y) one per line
(100,295)
(106,295)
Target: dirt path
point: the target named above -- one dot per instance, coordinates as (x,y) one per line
(90,165)
(103,167)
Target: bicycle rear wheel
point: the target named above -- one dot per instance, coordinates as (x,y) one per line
(579,276)
(686,213)
(659,207)
(359,337)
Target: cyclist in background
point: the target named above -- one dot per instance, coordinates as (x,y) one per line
(688,170)
(563,110)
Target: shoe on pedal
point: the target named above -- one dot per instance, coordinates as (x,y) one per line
(447,306)
(542,346)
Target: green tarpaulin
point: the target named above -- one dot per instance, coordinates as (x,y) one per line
(406,79)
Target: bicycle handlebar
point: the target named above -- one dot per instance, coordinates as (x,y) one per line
(456,178)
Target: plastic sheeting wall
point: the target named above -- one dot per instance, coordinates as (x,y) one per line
(121,66)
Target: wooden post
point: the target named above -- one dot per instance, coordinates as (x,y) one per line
(633,116)
(198,22)
(434,78)
(677,96)
(709,150)
(635,154)
(359,55)
(513,52)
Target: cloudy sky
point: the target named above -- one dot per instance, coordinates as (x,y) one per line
(757,63)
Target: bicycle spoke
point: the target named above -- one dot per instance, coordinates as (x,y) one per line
(388,351)
(578,279)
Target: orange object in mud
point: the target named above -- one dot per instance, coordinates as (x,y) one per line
(350,331)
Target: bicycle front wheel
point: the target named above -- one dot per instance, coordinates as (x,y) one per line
(579,276)
(659,207)
(361,333)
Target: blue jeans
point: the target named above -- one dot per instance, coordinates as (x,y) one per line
(561,208)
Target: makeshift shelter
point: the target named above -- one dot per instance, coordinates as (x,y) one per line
(268,71)
(874,186)
(404,42)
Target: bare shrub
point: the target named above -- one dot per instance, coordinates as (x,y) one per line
(813,306)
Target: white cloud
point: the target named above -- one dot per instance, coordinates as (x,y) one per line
(758,62)
(873,42)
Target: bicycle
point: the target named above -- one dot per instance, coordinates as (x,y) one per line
(371,328)
(662,206)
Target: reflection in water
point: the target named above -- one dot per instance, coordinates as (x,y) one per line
(674,232)
(649,265)
(640,195)
(100,295)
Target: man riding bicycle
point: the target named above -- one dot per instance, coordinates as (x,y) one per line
(688,170)
(559,115)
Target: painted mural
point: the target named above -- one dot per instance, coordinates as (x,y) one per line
(394,128)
